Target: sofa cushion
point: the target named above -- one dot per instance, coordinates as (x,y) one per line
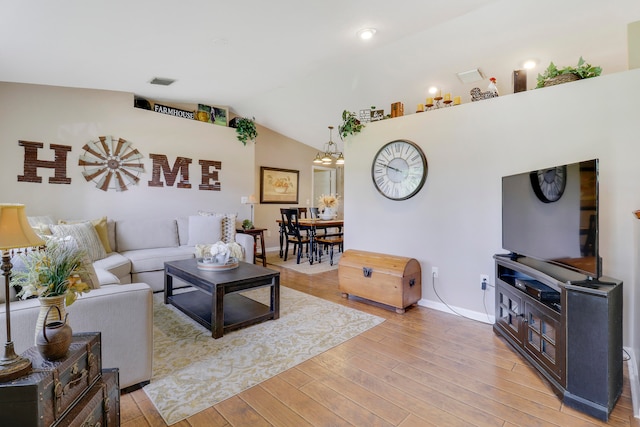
(146,233)
(100,225)
(111,234)
(153,259)
(115,264)
(85,235)
(106,278)
(204,229)
(89,275)
(40,224)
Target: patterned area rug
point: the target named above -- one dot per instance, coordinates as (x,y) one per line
(273,258)
(192,371)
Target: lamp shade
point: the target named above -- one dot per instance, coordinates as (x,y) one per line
(15,231)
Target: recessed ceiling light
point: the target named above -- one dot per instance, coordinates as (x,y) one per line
(161,81)
(433,90)
(366,33)
(529,64)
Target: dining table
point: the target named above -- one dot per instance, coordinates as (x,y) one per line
(311,225)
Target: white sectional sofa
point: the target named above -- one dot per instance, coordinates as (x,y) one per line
(122,308)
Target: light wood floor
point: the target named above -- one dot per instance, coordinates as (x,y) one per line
(423,368)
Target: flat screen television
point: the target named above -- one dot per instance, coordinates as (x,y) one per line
(551,215)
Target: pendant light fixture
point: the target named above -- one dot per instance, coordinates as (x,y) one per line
(330,152)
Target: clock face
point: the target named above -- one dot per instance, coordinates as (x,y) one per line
(549,184)
(399,170)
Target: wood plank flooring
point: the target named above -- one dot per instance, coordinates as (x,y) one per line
(423,368)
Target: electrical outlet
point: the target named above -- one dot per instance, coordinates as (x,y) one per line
(484,281)
(434,272)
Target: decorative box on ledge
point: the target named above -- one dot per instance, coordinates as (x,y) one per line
(387,279)
(71,391)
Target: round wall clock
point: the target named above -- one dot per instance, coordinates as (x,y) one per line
(399,170)
(111,163)
(549,184)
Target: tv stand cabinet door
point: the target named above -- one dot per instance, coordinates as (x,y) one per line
(509,312)
(544,338)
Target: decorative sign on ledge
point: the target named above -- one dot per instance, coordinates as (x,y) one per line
(204,113)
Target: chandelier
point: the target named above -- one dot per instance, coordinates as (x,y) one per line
(330,151)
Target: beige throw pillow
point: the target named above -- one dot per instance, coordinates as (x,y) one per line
(85,235)
(100,225)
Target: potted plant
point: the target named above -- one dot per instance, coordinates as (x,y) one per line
(247,224)
(52,274)
(554,75)
(350,124)
(245,128)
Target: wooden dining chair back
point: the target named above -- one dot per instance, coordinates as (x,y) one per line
(293,233)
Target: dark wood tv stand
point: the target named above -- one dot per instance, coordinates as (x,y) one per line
(575,342)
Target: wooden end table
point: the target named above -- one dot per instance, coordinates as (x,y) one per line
(257,233)
(224,310)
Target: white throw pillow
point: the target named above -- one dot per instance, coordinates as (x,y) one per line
(228,224)
(204,229)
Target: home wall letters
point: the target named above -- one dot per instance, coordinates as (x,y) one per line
(160,168)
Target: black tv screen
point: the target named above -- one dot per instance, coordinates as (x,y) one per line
(551,215)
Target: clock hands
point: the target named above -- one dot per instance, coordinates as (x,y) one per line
(390,167)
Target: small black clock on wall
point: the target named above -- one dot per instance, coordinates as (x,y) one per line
(549,184)
(399,169)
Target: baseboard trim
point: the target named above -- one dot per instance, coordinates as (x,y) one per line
(473,315)
(632,366)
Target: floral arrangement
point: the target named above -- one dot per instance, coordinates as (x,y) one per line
(328,201)
(220,248)
(52,271)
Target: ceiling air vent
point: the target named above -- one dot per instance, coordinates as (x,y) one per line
(161,81)
(470,76)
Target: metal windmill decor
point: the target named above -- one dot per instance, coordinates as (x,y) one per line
(111,164)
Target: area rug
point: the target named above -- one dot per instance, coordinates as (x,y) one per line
(273,258)
(192,371)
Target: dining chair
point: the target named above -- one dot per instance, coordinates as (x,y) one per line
(329,242)
(293,235)
(314,212)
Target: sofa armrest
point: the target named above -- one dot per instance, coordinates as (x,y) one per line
(247,243)
(124,316)
(122,313)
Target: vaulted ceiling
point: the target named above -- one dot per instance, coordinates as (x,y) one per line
(295,65)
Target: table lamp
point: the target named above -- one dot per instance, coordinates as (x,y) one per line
(15,232)
(251,200)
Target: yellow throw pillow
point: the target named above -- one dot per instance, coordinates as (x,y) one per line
(100,225)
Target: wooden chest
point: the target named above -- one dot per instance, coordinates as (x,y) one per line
(387,279)
(47,393)
(100,406)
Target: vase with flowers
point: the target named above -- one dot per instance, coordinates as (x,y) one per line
(53,275)
(329,205)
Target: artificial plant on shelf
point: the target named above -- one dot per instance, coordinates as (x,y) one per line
(350,124)
(582,70)
(246,129)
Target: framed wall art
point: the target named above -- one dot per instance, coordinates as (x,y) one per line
(279,185)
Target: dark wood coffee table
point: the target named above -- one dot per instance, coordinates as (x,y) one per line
(224,310)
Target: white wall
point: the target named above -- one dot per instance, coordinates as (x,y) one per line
(454,222)
(73,117)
